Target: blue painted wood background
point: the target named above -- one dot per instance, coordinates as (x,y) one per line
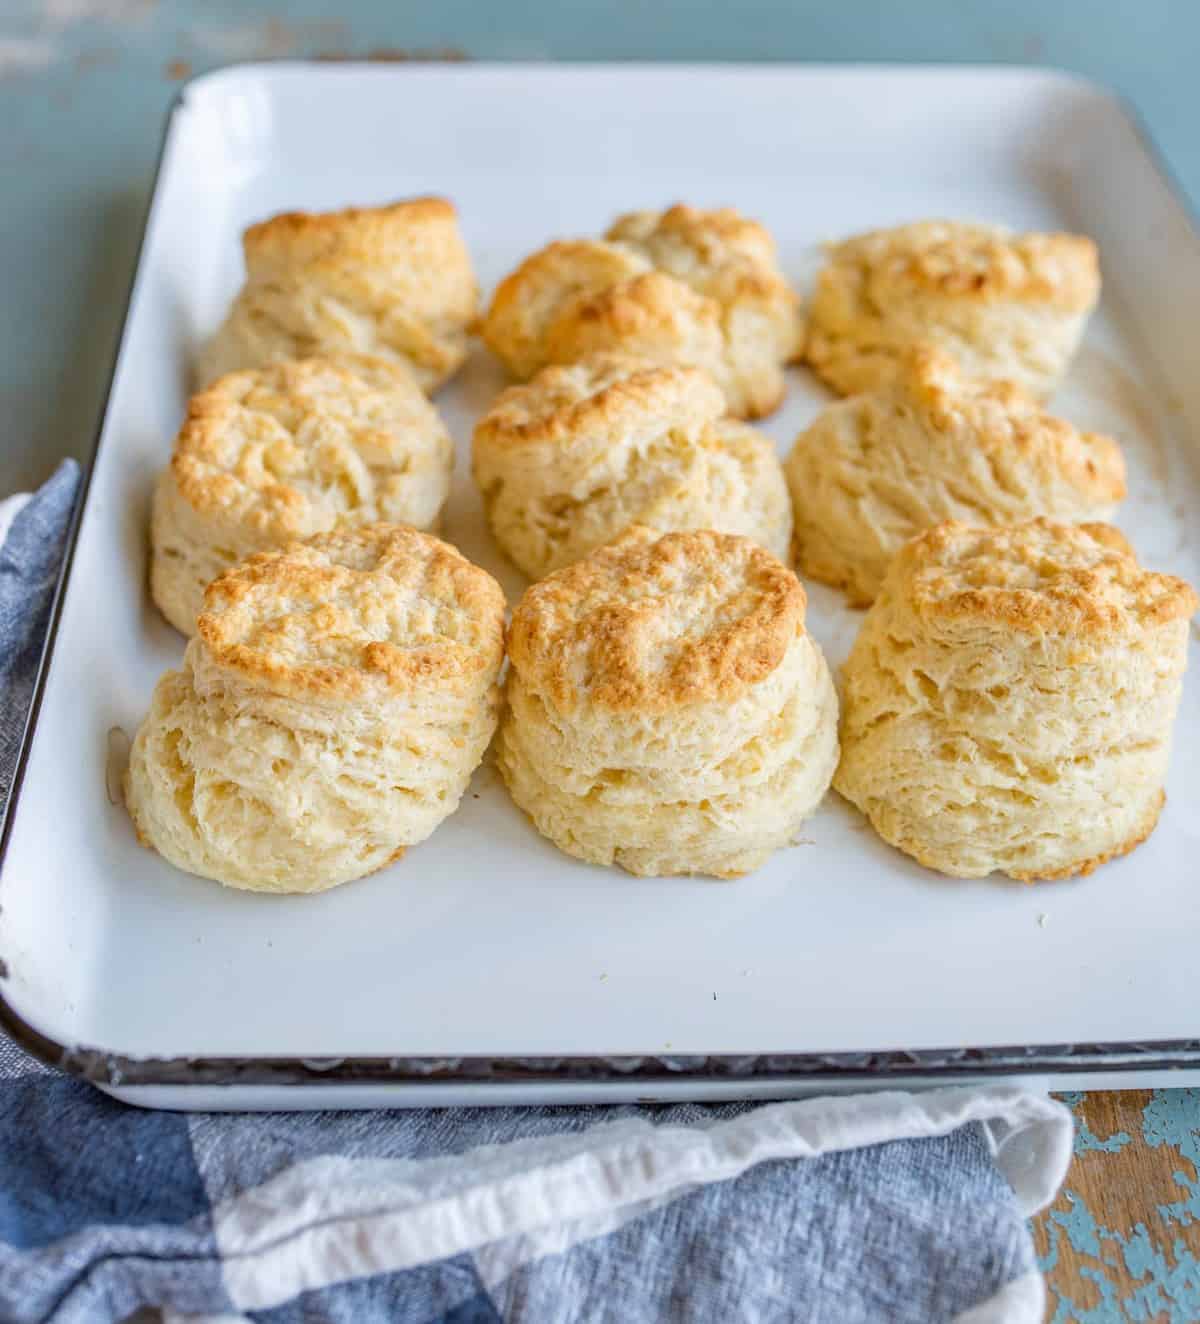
(84,85)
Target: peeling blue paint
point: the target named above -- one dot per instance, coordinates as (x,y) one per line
(1050,1259)
(1172,1117)
(1173,1290)
(1086,1139)
(1168,1280)
(1079,1226)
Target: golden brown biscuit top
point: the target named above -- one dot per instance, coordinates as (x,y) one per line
(1038,578)
(969,261)
(711,237)
(569,267)
(719,253)
(355,612)
(999,415)
(289,448)
(654,309)
(305,237)
(653,622)
(550,284)
(653,271)
(604,394)
(369,256)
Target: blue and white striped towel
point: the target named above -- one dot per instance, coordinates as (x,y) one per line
(877,1207)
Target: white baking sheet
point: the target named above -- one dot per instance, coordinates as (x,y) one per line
(486,940)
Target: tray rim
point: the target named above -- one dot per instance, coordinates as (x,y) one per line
(117,1071)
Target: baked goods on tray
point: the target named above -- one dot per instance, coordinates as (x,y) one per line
(395,281)
(668,711)
(1009,700)
(931,445)
(274,454)
(1008,704)
(689,286)
(329,712)
(1007,306)
(569,459)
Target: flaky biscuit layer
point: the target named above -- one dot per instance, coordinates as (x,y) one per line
(667,710)
(876,469)
(568,460)
(1007,306)
(680,286)
(329,712)
(394,281)
(270,455)
(1008,704)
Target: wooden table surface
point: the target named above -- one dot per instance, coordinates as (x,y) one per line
(1122,1241)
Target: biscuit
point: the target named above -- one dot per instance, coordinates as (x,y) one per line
(331,708)
(1008,703)
(573,457)
(668,712)
(1007,306)
(392,281)
(876,469)
(272,455)
(701,288)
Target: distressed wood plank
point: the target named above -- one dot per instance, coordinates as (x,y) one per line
(1122,1241)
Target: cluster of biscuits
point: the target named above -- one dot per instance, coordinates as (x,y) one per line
(1008,703)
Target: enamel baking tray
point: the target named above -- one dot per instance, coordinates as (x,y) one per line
(486,966)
